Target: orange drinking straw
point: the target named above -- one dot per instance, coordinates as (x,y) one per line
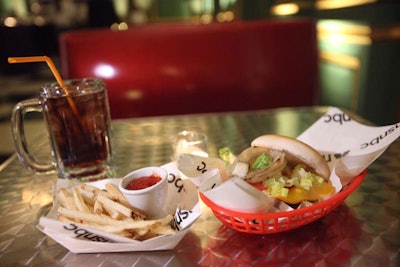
(41,59)
(53,70)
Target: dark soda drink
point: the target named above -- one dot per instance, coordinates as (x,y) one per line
(79,128)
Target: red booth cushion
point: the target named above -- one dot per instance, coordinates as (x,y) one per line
(162,69)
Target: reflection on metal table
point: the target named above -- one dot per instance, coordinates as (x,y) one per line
(363,231)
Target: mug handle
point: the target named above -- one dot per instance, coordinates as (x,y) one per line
(18,134)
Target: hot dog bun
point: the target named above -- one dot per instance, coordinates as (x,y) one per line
(296,151)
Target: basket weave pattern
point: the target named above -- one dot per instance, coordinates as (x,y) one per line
(268,223)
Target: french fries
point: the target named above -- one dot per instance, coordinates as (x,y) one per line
(108,211)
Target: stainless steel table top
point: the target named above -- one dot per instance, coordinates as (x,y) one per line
(363,231)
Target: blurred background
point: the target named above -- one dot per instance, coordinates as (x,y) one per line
(358,40)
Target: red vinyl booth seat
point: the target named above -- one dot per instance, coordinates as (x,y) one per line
(163,69)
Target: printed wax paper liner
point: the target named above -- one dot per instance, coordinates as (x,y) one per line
(182,198)
(349,148)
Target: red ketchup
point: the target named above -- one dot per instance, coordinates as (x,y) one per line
(143,182)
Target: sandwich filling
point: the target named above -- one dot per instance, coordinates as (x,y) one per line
(281,177)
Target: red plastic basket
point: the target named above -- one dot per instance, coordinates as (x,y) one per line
(268,223)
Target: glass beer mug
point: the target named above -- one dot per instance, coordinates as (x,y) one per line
(78,123)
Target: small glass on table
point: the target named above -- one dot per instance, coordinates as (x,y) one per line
(189,142)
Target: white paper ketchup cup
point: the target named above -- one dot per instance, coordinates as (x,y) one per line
(147,197)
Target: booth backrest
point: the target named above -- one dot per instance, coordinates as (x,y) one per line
(163,69)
